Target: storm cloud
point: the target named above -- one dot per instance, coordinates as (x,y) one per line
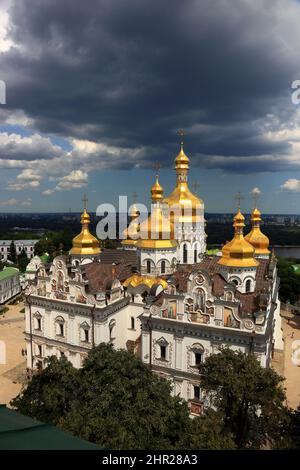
(127,74)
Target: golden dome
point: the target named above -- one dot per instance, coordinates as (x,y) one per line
(157,229)
(85,243)
(182,196)
(157,192)
(238,252)
(258,240)
(182,160)
(137,280)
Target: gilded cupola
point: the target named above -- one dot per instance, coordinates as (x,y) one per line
(238,252)
(182,197)
(156,231)
(258,240)
(85,243)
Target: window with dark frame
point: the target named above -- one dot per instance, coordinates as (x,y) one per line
(196,392)
(198,358)
(163,352)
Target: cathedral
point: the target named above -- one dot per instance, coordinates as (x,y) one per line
(161,295)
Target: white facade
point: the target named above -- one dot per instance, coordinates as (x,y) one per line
(9,284)
(186,327)
(157,262)
(191,238)
(27,245)
(63,318)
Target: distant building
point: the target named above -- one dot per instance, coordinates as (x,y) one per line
(9,284)
(27,245)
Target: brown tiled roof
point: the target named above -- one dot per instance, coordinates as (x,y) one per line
(249,302)
(100,275)
(119,257)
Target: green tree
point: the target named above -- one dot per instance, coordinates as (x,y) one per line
(13,252)
(23,261)
(123,405)
(249,397)
(50,393)
(295,429)
(289,281)
(114,400)
(207,432)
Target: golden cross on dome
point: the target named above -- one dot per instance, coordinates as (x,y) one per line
(255,199)
(181,134)
(85,201)
(239,198)
(157,167)
(195,186)
(134,197)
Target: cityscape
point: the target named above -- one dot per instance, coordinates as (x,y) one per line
(149,229)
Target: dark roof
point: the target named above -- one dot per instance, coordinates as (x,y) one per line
(249,303)
(101,275)
(119,257)
(19,432)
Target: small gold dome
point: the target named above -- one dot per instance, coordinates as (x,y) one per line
(258,240)
(157,229)
(182,160)
(182,196)
(85,243)
(137,280)
(157,192)
(238,252)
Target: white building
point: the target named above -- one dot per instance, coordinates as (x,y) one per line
(171,311)
(27,245)
(9,284)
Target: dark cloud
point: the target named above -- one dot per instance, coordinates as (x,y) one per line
(130,72)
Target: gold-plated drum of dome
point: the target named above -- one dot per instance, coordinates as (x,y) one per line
(238,252)
(85,243)
(157,231)
(258,240)
(137,279)
(186,205)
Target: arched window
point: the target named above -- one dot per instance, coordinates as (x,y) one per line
(248,285)
(195,254)
(85,333)
(60,326)
(235,282)
(184,248)
(37,321)
(163,267)
(148,264)
(112,330)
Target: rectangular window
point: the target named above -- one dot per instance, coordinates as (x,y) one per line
(196,392)
(163,352)
(86,336)
(198,358)
(38,324)
(61,329)
(132,323)
(39,350)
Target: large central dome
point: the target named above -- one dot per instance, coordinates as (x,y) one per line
(182,197)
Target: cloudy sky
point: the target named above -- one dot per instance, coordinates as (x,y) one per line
(96,92)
